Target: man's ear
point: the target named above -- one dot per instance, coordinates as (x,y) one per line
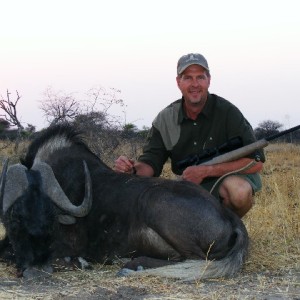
(209,81)
(178,80)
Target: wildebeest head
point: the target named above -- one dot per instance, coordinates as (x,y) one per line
(16,180)
(32,203)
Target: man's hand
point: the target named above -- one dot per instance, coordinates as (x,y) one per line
(195,174)
(124,165)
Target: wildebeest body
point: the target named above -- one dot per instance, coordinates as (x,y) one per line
(130,216)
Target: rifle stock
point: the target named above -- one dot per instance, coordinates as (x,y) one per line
(238,153)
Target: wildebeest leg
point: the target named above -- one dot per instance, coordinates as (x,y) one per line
(147,262)
(198,227)
(6,251)
(148,242)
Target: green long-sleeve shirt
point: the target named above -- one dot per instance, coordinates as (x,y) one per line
(173,135)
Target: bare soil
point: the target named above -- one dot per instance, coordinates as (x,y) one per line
(102,283)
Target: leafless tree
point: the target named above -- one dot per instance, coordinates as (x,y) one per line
(91,113)
(9,107)
(101,100)
(59,107)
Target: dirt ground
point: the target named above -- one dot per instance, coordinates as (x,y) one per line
(102,283)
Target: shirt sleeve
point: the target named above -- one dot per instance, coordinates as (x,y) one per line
(155,153)
(238,122)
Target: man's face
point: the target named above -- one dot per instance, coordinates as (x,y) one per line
(193,84)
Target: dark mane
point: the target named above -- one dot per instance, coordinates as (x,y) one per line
(64,132)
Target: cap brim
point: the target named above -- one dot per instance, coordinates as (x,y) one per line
(189,64)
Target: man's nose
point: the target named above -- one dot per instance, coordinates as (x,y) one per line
(195,82)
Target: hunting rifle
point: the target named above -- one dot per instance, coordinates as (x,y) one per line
(230,151)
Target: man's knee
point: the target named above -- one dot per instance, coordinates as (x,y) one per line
(237,194)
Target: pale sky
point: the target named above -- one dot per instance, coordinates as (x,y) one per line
(252,47)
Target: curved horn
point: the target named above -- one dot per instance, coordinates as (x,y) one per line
(15,184)
(52,188)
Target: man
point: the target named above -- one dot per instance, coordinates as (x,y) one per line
(190,125)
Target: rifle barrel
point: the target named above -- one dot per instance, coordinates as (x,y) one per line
(277,135)
(248,149)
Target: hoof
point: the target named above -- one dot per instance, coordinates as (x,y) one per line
(127,272)
(84,265)
(140,268)
(70,264)
(37,272)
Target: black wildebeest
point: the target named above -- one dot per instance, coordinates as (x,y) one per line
(63,201)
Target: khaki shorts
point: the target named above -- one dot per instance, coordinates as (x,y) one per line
(253,179)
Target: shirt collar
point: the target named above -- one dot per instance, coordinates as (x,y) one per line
(207,110)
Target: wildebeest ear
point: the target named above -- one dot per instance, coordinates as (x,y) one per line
(15,185)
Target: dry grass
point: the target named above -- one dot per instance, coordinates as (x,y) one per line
(274,222)
(7,149)
(272,270)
